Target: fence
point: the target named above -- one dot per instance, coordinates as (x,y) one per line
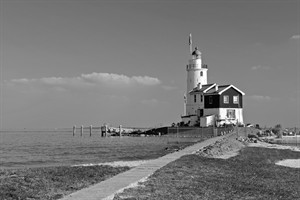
(202,132)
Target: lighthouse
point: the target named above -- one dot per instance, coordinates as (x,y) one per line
(209,104)
(196,76)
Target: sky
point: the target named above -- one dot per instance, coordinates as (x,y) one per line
(90,62)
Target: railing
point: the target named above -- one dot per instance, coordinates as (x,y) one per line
(203,132)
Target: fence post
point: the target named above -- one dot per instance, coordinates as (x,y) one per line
(120,130)
(214,128)
(74,130)
(81,130)
(91,128)
(237,130)
(103,130)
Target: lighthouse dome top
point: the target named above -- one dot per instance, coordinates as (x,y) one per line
(196,52)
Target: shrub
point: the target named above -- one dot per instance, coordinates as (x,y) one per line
(277,130)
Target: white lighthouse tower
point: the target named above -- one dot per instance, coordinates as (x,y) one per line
(196,77)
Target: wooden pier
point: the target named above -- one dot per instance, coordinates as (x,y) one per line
(102,130)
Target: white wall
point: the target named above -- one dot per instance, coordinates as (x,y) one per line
(191,106)
(207,121)
(222,114)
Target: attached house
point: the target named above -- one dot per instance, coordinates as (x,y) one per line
(222,104)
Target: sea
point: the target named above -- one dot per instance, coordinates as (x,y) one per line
(43,148)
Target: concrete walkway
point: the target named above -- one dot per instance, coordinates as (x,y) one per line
(106,189)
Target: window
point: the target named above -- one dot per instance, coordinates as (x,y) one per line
(235,99)
(231,114)
(201,73)
(210,99)
(201,98)
(226,99)
(195,98)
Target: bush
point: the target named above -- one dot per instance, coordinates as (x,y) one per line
(277,130)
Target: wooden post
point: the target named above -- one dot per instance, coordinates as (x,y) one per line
(81,130)
(120,130)
(74,130)
(237,129)
(102,131)
(91,127)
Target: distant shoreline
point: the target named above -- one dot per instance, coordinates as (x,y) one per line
(287,140)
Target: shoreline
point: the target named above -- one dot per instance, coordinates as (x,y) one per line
(54,182)
(294,140)
(90,151)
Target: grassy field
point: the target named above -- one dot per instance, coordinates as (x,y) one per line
(51,182)
(250,175)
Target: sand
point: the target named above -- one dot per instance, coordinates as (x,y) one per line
(273,146)
(118,163)
(294,163)
(229,147)
(222,149)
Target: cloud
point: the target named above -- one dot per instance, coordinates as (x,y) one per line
(295,37)
(93,80)
(260,67)
(260,98)
(119,79)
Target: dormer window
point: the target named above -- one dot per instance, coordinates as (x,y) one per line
(195,98)
(201,98)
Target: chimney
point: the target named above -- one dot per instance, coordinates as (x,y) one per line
(217,87)
(199,86)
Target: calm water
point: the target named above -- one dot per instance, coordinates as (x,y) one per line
(35,149)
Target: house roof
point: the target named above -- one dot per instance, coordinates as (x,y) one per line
(220,88)
(223,88)
(214,89)
(203,89)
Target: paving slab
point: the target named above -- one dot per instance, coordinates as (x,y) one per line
(106,189)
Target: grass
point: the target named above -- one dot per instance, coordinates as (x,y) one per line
(250,175)
(51,182)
